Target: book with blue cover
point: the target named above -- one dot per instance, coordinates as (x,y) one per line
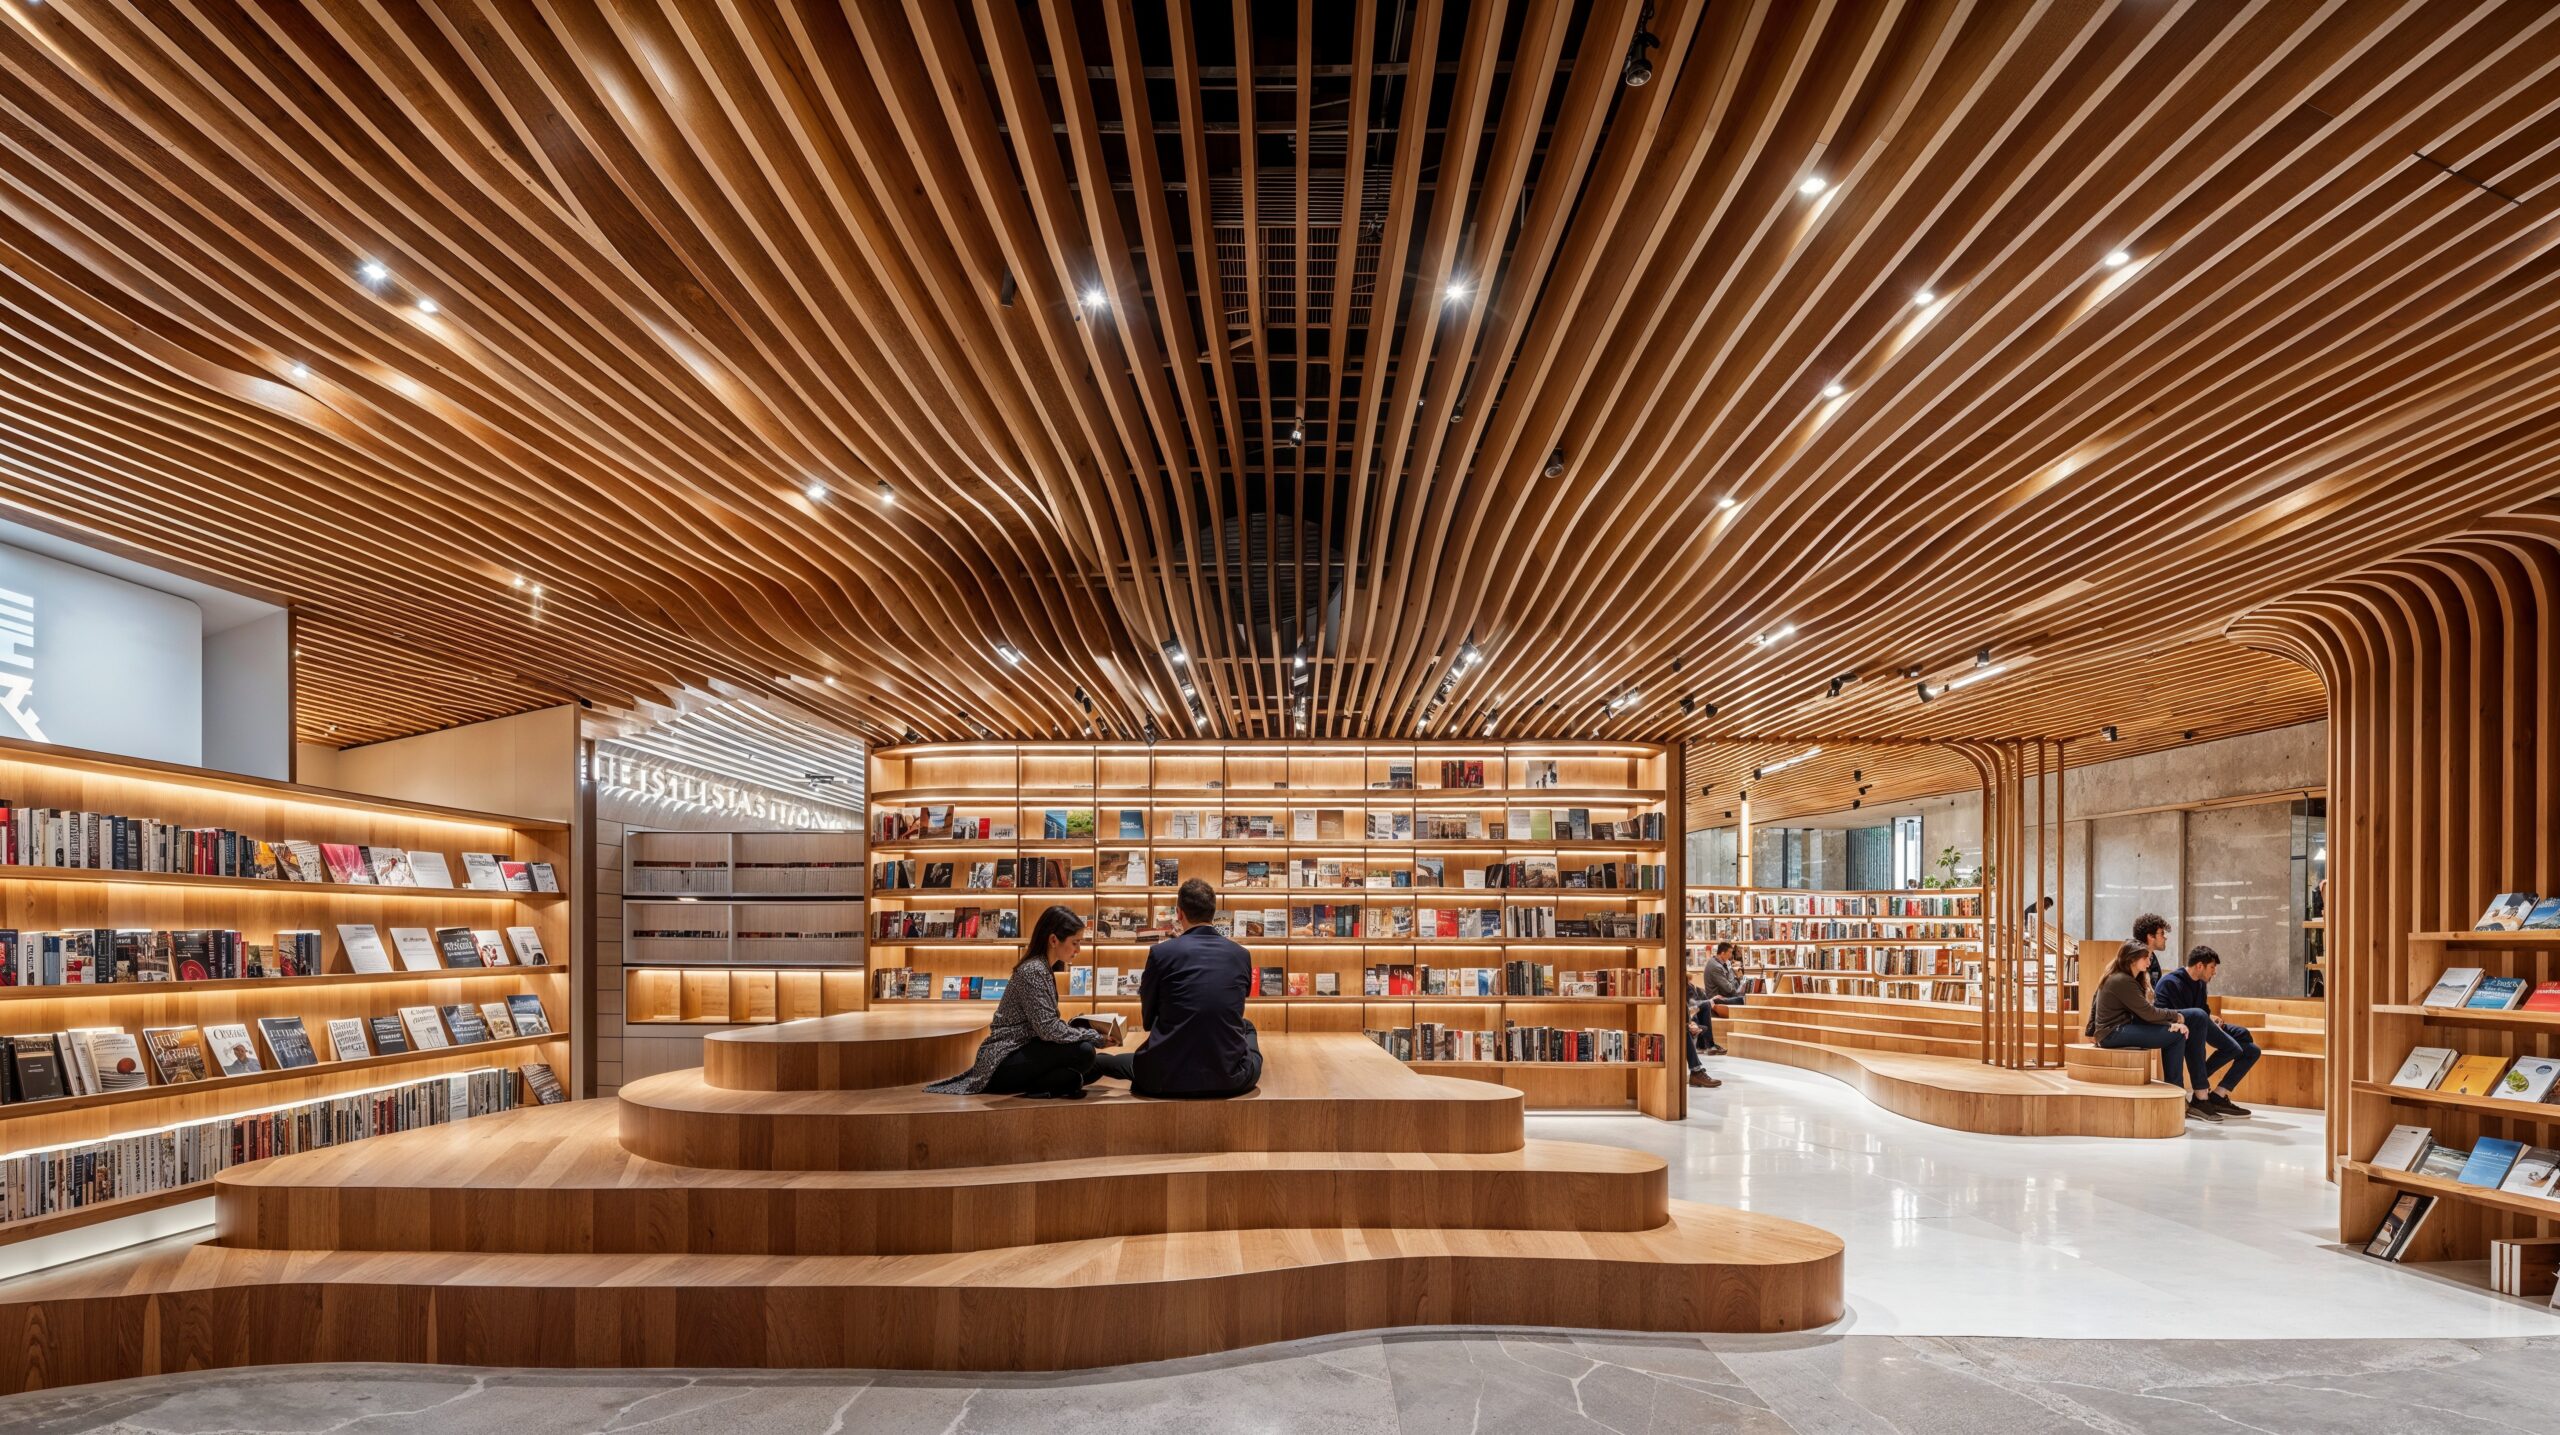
(2499,993)
(1053,824)
(2490,1161)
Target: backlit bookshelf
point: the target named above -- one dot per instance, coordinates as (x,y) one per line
(1250,818)
(741,928)
(1922,945)
(47,899)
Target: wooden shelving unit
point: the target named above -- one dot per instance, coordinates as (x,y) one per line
(47,899)
(1167,808)
(781,917)
(1841,943)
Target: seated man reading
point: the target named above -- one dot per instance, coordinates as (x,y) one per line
(2188,991)
(1191,1000)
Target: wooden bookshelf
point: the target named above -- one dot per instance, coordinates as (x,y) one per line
(47,899)
(733,996)
(1167,808)
(1826,942)
(742,864)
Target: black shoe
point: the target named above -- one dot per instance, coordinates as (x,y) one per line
(2229,1107)
(2200,1109)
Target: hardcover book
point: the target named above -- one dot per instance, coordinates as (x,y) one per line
(347,1040)
(2407,1214)
(480,872)
(2545,916)
(2535,1173)
(528,946)
(346,863)
(495,1016)
(2425,1067)
(2404,1148)
(458,946)
(545,1087)
(116,1059)
(525,1013)
(387,1035)
(35,1069)
(425,1032)
(178,1052)
(287,1042)
(2498,994)
(430,870)
(390,867)
(464,1021)
(2506,913)
(546,878)
(2490,1161)
(491,947)
(2475,1075)
(417,949)
(234,1053)
(364,947)
(2530,1079)
(2454,987)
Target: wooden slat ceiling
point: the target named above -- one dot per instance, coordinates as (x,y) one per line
(687,260)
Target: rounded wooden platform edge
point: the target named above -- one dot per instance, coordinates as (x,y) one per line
(2069,1108)
(206,1308)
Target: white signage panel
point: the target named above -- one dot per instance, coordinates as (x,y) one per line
(95,662)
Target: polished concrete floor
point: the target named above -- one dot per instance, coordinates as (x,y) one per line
(1996,1285)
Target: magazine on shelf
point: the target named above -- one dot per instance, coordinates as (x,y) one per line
(2507,912)
(365,951)
(430,870)
(234,1053)
(417,949)
(347,1039)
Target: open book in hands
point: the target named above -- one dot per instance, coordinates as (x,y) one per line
(1113,1028)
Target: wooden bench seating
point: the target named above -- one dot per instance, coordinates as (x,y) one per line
(857,1051)
(2112,1066)
(556,1180)
(1963,1094)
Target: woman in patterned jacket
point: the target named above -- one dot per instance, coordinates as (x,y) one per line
(1029,1051)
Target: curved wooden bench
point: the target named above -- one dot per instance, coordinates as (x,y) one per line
(853,1052)
(1965,1095)
(1063,1306)
(556,1180)
(2111,1066)
(1321,1091)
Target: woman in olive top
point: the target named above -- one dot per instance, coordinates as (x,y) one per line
(2122,1016)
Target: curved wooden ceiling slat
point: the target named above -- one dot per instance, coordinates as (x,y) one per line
(690,259)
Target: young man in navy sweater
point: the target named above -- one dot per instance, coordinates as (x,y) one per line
(2188,991)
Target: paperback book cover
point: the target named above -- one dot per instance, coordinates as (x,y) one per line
(517,876)
(2445,1162)
(2498,994)
(365,951)
(525,1013)
(480,872)
(2454,987)
(430,870)
(387,1035)
(2546,997)
(494,1016)
(491,947)
(347,1039)
(346,864)
(528,946)
(464,1021)
(35,1069)
(2507,913)
(2407,1214)
(178,1052)
(417,949)
(2475,1075)
(458,946)
(2536,1173)
(2404,1148)
(544,1086)
(2545,916)
(546,878)
(2530,1079)
(234,1053)
(117,1060)
(287,1042)
(425,1032)
(390,867)
(2490,1161)
(2425,1067)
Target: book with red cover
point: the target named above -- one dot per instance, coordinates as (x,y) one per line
(2546,997)
(346,863)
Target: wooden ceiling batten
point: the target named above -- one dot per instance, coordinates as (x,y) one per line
(690,260)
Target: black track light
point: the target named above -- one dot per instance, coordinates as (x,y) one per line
(1707,791)
(1298,430)
(1005,290)
(1982,657)
(1728,812)
(2188,736)
(1857,774)
(1555,464)
(1855,804)
(2108,732)
(1149,731)
(909,736)
(1708,708)
(1842,681)
(1639,67)
(1864,788)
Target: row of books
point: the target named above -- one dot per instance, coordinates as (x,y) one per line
(1391,980)
(114,842)
(2494,1164)
(79,1174)
(2500,1078)
(959,924)
(1429,1041)
(1132,870)
(1323,824)
(2520,912)
(87,956)
(92,1061)
(1767,929)
(2472,989)
(2526,1266)
(910,984)
(1726,901)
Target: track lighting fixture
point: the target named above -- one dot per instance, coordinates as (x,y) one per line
(1455,290)
(1984,668)
(1298,430)
(1174,654)
(1865,787)
(1009,653)
(1150,731)
(1469,655)
(1491,715)
(1688,705)
(909,736)
(1856,803)
(1857,774)
(1625,700)
(887,493)
(1778,634)
(1982,657)
(1555,464)
(519,580)
(2188,736)
(1728,502)
(1708,708)
(1708,790)
(1842,681)
(1728,812)
(1925,298)
(1005,289)
(2108,732)
(1638,71)
(1784,763)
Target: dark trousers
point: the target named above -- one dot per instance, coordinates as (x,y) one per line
(2178,1054)
(2233,1048)
(1123,1065)
(1034,1065)
(1707,1018)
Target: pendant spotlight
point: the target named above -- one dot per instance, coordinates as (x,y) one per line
(1638,71)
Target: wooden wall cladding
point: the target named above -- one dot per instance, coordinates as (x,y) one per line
(688,260)
(2443,673)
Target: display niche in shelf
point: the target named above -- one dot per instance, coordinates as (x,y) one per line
(742,864)
(1499,911)
(1922,945)
(147,1046)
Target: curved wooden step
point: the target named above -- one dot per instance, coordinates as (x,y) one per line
(2111,1066)
(1965,1095)
(556,1180)
(1320,1091)
(853,1052)
(1073,1304)
(1967,1048)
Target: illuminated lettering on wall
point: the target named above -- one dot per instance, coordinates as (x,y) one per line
(669,787)
(18,663)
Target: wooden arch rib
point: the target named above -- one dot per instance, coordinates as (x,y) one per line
(2442,669)
(691,259)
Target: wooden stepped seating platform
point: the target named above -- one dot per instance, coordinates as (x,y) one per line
(1962,1094)
(875,1226)
(556,1179)
(2111,1066)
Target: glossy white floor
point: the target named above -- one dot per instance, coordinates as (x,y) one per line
(2225,1233)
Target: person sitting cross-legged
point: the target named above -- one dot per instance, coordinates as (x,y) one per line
(2188,992)
(1191,999)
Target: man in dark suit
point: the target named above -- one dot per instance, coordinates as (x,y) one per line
(1191,1000)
